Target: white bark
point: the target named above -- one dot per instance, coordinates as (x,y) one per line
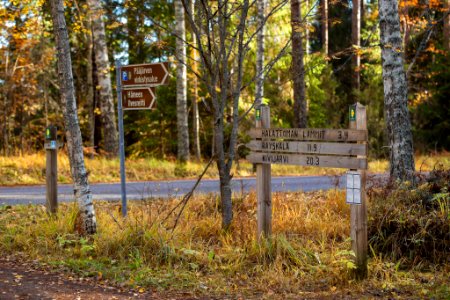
(106,100)
(356,41)
(182,115)
(395,93)
(260,46)
(195,113)
(82,191)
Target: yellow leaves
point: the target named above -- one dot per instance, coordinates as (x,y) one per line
(97,111)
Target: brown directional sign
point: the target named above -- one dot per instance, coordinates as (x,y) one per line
(138,98)
(308,160)
(308,147)
(145,74)
(311,134)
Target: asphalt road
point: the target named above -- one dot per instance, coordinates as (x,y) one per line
(162,189)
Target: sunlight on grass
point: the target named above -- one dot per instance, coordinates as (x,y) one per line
(308,254)
(30,169)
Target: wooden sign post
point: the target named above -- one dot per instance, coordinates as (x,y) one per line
(332,148)
(135,91)
(51,169)
(358,217)
(263,181)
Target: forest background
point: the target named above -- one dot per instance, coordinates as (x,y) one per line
(143,32)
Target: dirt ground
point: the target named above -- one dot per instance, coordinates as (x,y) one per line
(28,280)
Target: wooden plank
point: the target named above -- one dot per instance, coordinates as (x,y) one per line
(308,160)
(307,147)
(264,183)
(358,213)
(309,134)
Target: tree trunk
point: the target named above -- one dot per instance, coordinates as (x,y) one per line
(196,118)
(395,93)
(73,134)
(224,174)
(90,103)
(298,69)
(182,115)
(324,15)
(447,25)
(106,100)
(259,83)
(356,41)
(307,8)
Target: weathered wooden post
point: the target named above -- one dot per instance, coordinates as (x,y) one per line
(51,170)
(263,181)
(358,217)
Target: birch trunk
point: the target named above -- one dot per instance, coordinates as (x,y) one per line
(395,93)
(106,100)
(182,115)
(324,15)
(447,25)
(90,104)
(356,41)
(298,68)
(196,118)
(259,83)
(73,134)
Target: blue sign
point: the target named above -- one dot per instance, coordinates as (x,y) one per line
(124,76)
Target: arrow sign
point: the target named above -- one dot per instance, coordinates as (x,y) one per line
(138,98)
(145,74)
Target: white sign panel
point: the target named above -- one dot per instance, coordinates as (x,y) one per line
(353,187)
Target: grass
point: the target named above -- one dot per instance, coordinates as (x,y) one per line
(30,169)
(308,256)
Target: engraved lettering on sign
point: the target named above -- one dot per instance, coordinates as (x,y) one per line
(314,134)
(280,133)
(312,160)
(343,135)
(275,146)
(281,159)
(312,147)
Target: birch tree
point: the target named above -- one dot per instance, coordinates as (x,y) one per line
(259,89)
(324,17)
(395,92)
(182,115)
(195,113)
(106,100)
(82,190)
(224,39)
(298,68)
(356,41)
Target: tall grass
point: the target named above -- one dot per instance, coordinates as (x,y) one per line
(308,254)
(30,169)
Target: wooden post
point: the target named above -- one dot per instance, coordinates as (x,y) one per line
(263,181)
(358,218)
(51,170)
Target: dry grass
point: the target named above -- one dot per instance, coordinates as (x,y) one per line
(307,257)
(30,169)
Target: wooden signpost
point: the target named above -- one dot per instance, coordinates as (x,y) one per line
(332,148)
(136,90)
(51,169)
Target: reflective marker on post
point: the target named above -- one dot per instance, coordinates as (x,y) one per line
(353,187)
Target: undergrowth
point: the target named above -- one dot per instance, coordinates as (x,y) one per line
(308,256)
(412,225)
